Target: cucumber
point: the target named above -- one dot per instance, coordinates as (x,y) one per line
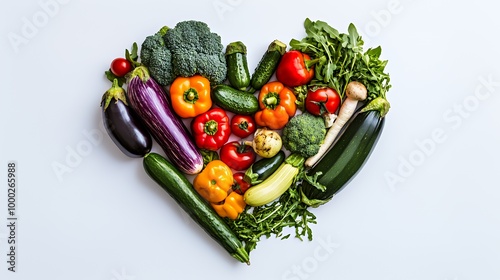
(182,191)
(346,157)
(233,100)
(238,74)
(263,168)
(267,65)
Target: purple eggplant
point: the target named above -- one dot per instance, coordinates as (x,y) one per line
(123,125)
(150,101)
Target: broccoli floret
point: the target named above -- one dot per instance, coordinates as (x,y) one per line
(304,134)
(196,50)
(157,57)
(160,68)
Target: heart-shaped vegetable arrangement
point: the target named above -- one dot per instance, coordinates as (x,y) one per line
(248,155)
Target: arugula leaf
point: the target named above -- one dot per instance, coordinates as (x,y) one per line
(344,60)
(272,219)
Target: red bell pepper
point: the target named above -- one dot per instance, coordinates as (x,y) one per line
(295,69)
(211,130)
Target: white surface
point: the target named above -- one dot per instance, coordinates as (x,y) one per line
(107,220)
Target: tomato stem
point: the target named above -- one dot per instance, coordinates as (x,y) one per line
(243,125)
(242,147)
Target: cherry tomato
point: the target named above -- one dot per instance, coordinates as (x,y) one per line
(322,101)
(242,126)
(120,66)
(240,186)
(237,156)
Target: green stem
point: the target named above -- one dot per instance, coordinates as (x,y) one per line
(211,127)
(278,46)
(141,72)
(378,104)
(191,95)
(271,100)
(311,62)
(115,92)
(295,160)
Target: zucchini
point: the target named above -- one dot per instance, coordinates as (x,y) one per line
(182,191)
(263,168)
(235,101)
(238,74)
(347,155)
(275,185)
(267,65)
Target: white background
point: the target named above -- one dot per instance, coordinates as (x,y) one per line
(437,219)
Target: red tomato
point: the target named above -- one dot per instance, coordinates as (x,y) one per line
(240,186)
(120,67)
(237,156)
(242,126)
(322,101)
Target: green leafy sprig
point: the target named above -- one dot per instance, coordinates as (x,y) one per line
(272,219)
(341,59)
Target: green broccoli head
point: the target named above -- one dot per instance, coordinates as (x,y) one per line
(160,67)
(303,134)
(213,67)
(155,55)
(185,64)
(196,50)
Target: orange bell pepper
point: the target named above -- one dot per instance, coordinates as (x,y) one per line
(214,182)
(277,104)
(190,96)
(233,205)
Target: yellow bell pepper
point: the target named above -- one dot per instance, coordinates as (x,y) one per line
(214,182)
(233,205)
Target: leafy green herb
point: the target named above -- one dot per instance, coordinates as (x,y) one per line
(341,59)
(132,55)
(300,94)
(208,156)
(271,219)
(111,77)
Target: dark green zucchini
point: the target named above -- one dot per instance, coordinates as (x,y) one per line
(267,65)
(235,101)
(238,74)
(263,168)
(182,191)
(347,155)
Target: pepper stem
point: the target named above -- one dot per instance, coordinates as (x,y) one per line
(271,100)
(311,62)
(191,96)
(211,127)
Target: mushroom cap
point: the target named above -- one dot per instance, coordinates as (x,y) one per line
(356,90)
